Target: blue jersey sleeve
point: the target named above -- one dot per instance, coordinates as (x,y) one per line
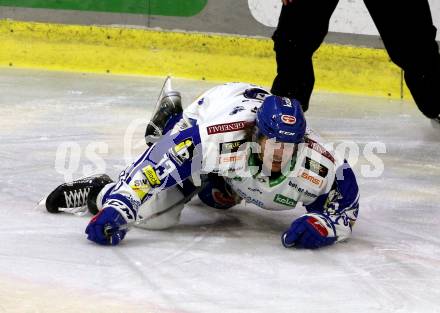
(166,163)
(340,206)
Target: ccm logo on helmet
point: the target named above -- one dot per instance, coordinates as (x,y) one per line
(283,132)
(288,119)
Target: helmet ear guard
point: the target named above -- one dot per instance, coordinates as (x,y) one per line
(281,118)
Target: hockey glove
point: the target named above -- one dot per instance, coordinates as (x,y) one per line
(108,227)
(310,231)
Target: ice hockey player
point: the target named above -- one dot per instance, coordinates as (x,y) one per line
(235,142)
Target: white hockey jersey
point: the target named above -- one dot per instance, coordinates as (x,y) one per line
(225,115)
(225,118)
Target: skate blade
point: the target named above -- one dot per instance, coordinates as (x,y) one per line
(42,202)
(166,87)
(78,211)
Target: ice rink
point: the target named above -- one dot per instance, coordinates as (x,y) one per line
(57,124)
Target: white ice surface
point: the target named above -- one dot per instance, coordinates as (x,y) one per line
(214,261)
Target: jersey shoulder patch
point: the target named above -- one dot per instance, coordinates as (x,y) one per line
(319,148)
(315,166)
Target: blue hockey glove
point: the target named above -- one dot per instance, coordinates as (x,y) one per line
(310,231)
(108,227)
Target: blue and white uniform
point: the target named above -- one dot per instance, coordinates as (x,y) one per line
(213,136)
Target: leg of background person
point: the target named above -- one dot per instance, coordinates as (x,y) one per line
(408,34)
(301,29)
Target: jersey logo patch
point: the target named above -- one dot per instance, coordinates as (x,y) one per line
(312,179)
(230,146)
(255,190)
(237,109)
(255,93)
(141,187)
(228,127)
(230,158)
(318,148)
(151,175)
(249,199)
(284,200)
(316,167)
(183,151)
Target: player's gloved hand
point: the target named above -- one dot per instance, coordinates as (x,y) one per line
(309,231)
(108,227)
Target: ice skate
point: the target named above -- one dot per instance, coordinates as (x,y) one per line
(169,104)
(77,196)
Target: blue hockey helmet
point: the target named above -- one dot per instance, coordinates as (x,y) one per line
(281,118)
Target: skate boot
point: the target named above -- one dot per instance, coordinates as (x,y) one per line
(168,107)
(77,196)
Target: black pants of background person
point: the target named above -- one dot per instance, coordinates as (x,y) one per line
(407,32)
